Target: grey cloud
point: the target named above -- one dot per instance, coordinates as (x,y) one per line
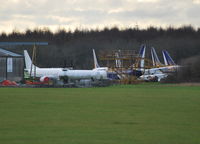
(90,12)
(154,13)
(193,12)
(85,16)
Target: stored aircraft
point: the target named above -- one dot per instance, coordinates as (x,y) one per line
(45,74)
(161,70)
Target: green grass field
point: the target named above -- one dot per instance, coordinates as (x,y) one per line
(140,114)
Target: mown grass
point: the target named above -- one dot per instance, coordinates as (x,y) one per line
(140,114)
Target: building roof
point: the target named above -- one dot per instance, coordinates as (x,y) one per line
(6,53)
(22,43)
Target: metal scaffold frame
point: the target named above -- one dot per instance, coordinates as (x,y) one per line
(122,61)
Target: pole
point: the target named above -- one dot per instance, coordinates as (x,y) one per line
(33,59)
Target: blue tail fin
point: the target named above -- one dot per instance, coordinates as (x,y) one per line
(142,51)
(167,58)
(142,55)
(155,59)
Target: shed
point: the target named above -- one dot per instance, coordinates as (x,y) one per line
(11,66)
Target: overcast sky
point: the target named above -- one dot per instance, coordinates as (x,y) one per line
(23,14)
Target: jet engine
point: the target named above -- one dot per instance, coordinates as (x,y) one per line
(44,79)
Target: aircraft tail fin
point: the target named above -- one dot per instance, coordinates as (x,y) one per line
(142,51)
(164,57)
(167,58)
(28,61)
(142,55)
(155,59)
(96,65)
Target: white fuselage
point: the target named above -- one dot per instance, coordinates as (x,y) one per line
(48,72)
(170,69)
(160,73)
(149,77)
(71,74)
(85,74)
(56,73)
(165,69)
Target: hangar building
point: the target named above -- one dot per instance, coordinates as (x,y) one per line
(11,66)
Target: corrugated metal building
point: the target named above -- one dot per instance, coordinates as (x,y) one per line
(11,66)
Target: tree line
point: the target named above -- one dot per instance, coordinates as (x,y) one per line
(74,48)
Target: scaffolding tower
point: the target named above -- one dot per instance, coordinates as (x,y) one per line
(124,63)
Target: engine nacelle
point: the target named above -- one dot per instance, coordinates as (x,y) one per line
(100,75)
(44,79)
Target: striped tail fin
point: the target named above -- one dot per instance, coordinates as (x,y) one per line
(167,58)
(155,59)
(142,55)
